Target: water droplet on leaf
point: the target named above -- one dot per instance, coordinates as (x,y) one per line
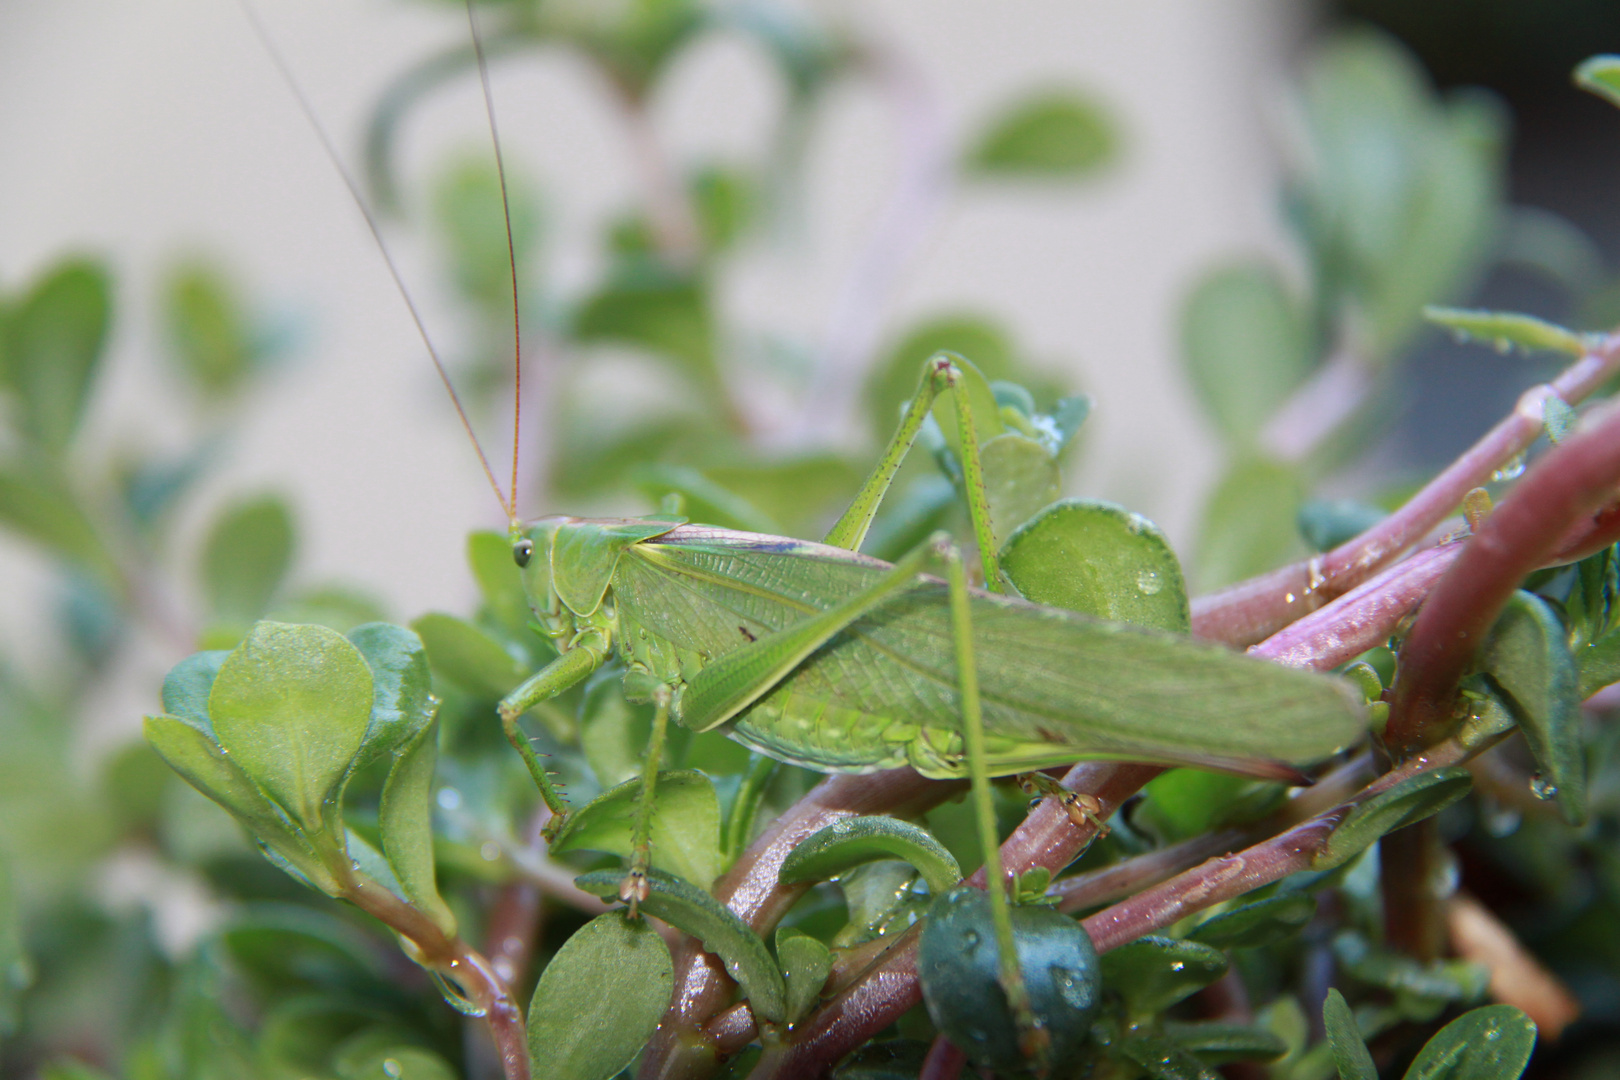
(392,1068)
(1147,582)
(1543,788)
(1512,470)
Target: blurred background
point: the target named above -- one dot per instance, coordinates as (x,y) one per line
(741,228)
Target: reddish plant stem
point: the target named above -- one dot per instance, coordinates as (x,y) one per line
(1252,610)
(1409,863)
(944,1061)
(1129,876)
(1569,482)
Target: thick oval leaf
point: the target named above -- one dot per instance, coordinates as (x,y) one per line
(1153,973)
(599,999)
(668,316)
(1057,135)
(1214,1043)
(1098,558)
(1020,477)
(402,703)
(1162,1059)
(805,963)
(246,558)
(405,818)
(54,343)
(291,705)
(1260,923)
(1350,1051)
(1489,1043)
(1246,343)
(1413,799)
(1505,329)
(958,966)
(685,829)
(1248,525)
(695,912)
(468,656)
(1600,75)
(846,844)
(1528,655)
(187,685)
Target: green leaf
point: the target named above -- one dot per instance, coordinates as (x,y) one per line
(1409,801)
(468,656)
(72,1070)
(36,502)
(1054,135)
(806,963)
(1246,342)
(209,336)
(54,343)
(1505,329)
(16,970)
(1350,1051)
(612,732)
(852,841)
(1528,655)
(958,966)
(246,558)
(291,706)
(695,912)
(499,579)
(1162,1059)
(1153,973)
(726,203)
(599,999)
(1599,664)
(1182,803)
(893,380)
(1600,75)
(1248,525)
(405,817)
(1442,981)
(1020,478)
(972,392)
(1215,1043)
(1098,558)
(667,316)
(467,206)
(187,685)
(1263,922)
(402,704)
(685,828)
(1489,1043)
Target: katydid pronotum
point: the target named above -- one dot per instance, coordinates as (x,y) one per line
(816,655)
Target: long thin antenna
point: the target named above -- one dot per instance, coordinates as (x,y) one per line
(511,249)
(508,505)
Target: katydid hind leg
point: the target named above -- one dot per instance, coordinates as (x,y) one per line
(634,888)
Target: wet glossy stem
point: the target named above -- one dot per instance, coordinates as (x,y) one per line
(1570,482)
(451,957)
(1254,609)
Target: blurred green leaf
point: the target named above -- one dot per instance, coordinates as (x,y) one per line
(399,1062)
(1600,75)
(1505,329)
(1254,925)
(685,828)
(291,705)
(1161,1058)
(1215,1043)
(1528,655)
(853,841)
(37,502)
(695,912)
(798,492)
(467,207)
(1153,973)
(499,580)
(893,380)
(1350,1052)
(1440,981)
(726,204)
(1054,135)
(1246,342)
(664,314)
(1182,803)
(1327,523)
(246,557)
(55,336)
(1248,525)
(1489,1043)
(599,999)
(1411,800)
(211,343)
(806,963)
(468,656)
(1020,478)
(703,500)
(16,970)
(1098,558)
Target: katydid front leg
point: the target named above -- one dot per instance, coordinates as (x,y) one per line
(553,679)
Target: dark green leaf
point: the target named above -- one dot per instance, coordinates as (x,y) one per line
(1263,922)
(806,963)
(1214,1043)
(16,970)
(1056,135)
(695,912)
(846,844)
(468,656)
(246,558)
(1411,800)
(1350,1051)
(685,829)
(212,345)
(1441,981)
(1600,75)
(291,705)
(1327,523)
(599,999)
(402,703)
(1153,973)
(1020,478)
(54,345)
(1162,1059)
(957,964)
(1098,558)
(1504,329)
(1599,664)
(1489,1043)
(1528,655)
(1248,525)
(187,685)
(1246,344)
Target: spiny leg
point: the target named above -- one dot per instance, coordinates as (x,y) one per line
(634,889)
(551,680)
(1033,1041)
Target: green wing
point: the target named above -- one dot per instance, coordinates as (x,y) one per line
(1056,686)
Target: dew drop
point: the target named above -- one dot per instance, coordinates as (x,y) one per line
(449,798)
(392,1068)
(1071,988)
(490,850)
(1510,471)
(1492,1034)
(970,939)
(1178,965)
(1288,598)
(454,997)
(1148,583)
(1542,788)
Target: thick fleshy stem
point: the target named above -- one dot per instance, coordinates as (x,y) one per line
(1252,610)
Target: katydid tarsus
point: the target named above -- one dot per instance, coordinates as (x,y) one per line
(814,654)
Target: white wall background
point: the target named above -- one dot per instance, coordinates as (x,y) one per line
(138,129)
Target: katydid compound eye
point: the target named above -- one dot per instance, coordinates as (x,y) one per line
(522,551)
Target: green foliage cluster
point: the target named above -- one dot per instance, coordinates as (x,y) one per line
(364,761)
